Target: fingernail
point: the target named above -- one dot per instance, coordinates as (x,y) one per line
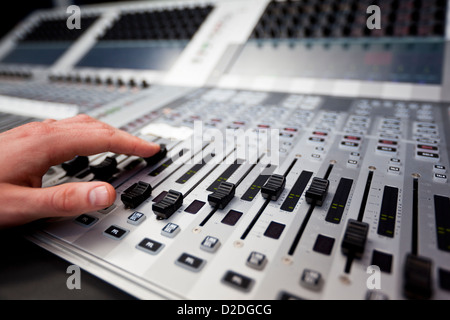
(99,196)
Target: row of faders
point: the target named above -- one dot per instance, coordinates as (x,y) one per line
(349,190)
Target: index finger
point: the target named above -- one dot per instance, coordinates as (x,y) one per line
(83,135)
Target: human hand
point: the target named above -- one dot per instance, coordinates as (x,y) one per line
(28,151)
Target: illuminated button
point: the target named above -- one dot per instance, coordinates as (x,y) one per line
(354,156)
(210,244)
(311,279)
(394,161)
(427,147)
(387,142)
(353,164)
(256,260)
(170,230)
(439,177)
(349,145)
(316,140)
(386,150)
(438,168)
(394,170)
(136,218)
(316,156)
(427,155)
(353,138)
(115,232)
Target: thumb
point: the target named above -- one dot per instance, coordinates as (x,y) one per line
(25,204)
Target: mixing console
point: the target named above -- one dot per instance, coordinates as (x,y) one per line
(276,188)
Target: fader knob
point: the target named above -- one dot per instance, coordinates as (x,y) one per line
(273,187)
(136,194)
(105,169)
(168,205)
(354,240)
(223,195)
(417,280)
(317,191)
(157,156)
(76,165)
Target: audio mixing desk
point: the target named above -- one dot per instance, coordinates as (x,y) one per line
(303,156)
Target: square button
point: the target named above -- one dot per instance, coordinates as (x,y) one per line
(115,232)
(439,177)
(394,170)
(170,230)
(210,244)
(190,262)
(382,260)
(238,281)
(323,244)
(311,279)
(136,218)
(256,260)
(150,246)
(85,220)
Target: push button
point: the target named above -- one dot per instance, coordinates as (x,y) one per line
(170,230)
(386,150)
(439,177)
(150,246)
(189,262)
(136,218)
(349,145)
(311,279)
(238,281)
(394,170)
(256,260)
(116,232)
(427,155)
(352,164)
(210,244)
(437,168)
(85,220)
